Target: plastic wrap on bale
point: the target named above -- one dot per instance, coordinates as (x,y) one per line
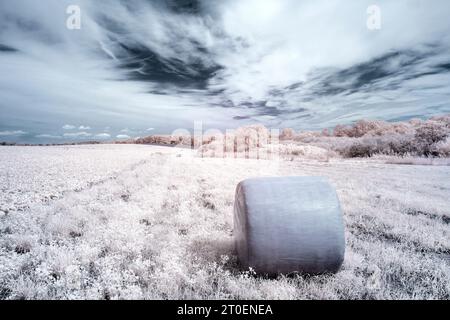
(287,225)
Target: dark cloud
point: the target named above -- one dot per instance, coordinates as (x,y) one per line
(4,48)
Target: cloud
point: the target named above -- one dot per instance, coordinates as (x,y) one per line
(47,136)
(123,136)
(82,134)
(103,136)
(12,133)
(282,42)
(150,129)
(304,63)
(84,127)
(68,127)
(56,75)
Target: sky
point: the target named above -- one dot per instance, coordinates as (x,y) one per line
(141,67)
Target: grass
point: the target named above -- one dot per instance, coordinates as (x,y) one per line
(145,222)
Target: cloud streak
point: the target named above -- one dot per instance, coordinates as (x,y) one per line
(12,133)
(82,134)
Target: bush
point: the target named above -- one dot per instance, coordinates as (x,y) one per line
(342,131)
(359,129)
(360,150)
(431,132)
(415,137)
(287,134)
(427,136)
(362,139)
(443,148)
(254,136)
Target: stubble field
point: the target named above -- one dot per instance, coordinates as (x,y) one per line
(147,222)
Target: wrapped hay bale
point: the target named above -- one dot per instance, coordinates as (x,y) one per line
(288,224)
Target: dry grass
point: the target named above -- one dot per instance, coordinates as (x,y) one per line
(416,161)
(159,225)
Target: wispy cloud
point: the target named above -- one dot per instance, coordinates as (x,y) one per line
(48,136)
(77,135)
(103,136)
(123,136)
(84,127)
(68,127)
(12,133)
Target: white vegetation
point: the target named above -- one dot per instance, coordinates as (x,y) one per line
(134,222)
(423,140)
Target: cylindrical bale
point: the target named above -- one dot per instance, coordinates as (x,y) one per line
(288,224)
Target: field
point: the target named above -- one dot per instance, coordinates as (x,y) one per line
(147,222)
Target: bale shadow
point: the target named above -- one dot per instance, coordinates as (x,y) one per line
(221,251)
(214,250)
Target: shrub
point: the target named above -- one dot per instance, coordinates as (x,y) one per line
(362,139)
(360,150)
(443,148)
(287,134)
(341,131)
(326,132)
(362,127)
(415,137)
(431,132)
(444,120)
(359,129)
(252,136)
(427,136)
(400,146)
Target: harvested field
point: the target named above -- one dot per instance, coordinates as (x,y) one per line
(147,222)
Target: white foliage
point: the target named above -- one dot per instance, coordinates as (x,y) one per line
(144,222)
